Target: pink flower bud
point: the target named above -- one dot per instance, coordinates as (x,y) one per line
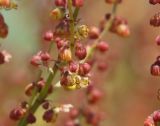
(155,70)
(73,67)
(84,69)
(36,60)
(102,46)
(78,3)
(94,96)
(60,2)
(45,56)
(94,32)
(158,40)
(48,36)
(80,51)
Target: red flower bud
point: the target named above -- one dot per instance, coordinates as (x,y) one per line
(17,113)
(156,116)
(94,32)
(102,46)
(73,67)
(80,51)
(31,118)
(45,56)
(48,115)
(48,36)
(36,60)
(78,3)
(158,40)
(155,70)
(60,2)
(94,96)
(84,69)
(74,113)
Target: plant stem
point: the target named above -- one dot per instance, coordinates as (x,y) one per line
(43,94)
(34,93)
(106,29)
(71,24)
(75,14)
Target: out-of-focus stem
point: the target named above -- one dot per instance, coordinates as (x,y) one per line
(107,27)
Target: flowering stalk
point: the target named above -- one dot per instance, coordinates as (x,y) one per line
(72,61)
(154,118)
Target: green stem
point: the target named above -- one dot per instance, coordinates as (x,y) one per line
(75,14)
(34,93)
(43,94)
(71,24)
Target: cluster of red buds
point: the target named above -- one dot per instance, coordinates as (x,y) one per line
(75,59)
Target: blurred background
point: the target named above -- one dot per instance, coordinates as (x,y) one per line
(130,92)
